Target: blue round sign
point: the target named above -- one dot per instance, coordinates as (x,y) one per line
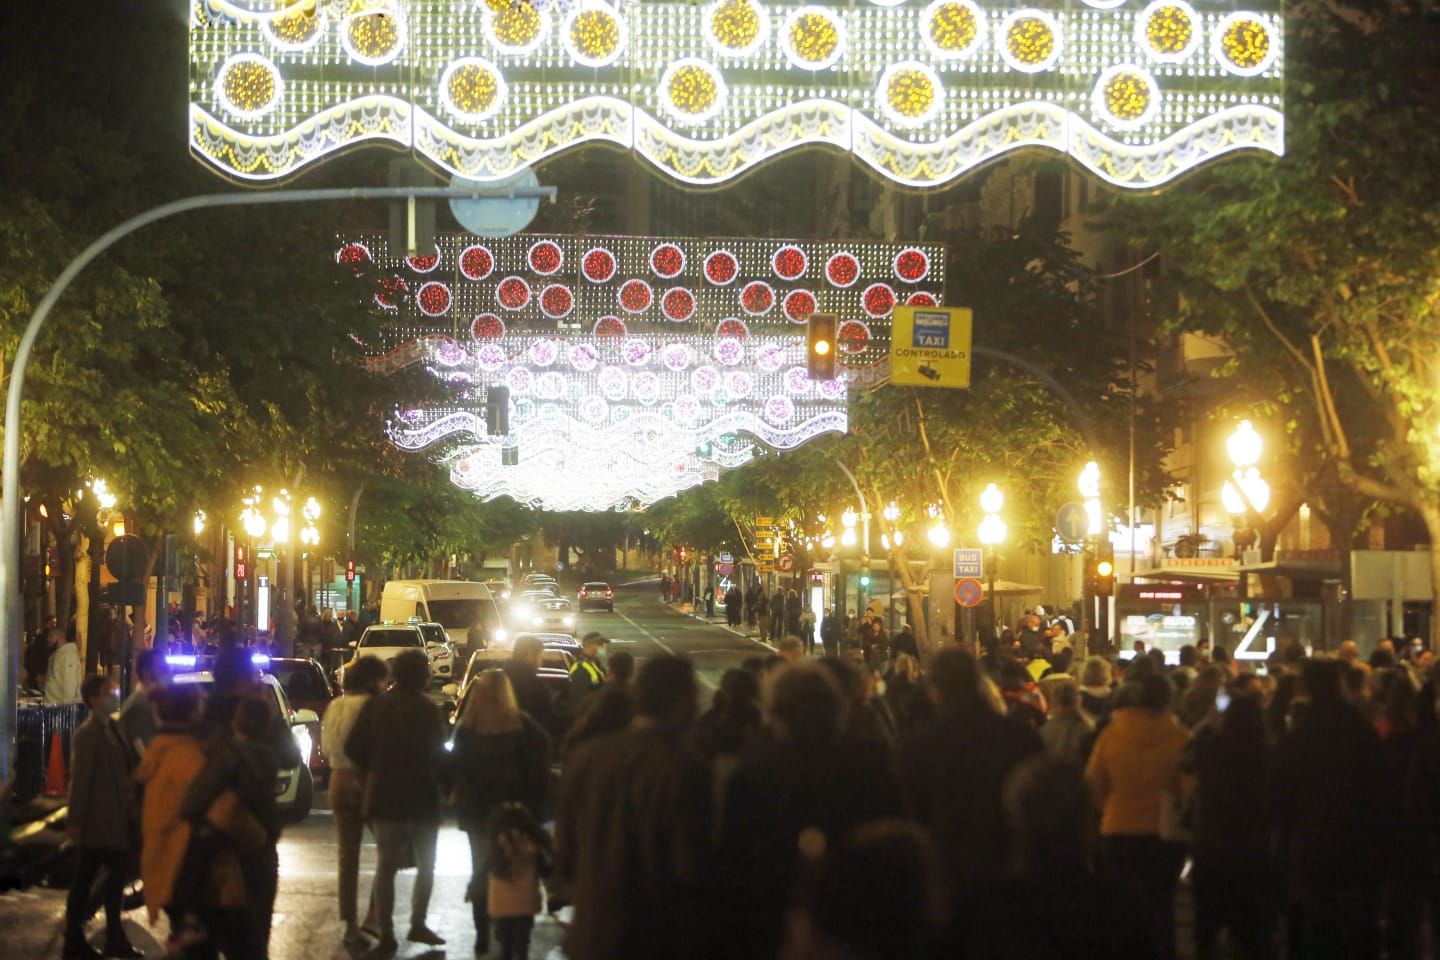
(496,216)
(1072,523)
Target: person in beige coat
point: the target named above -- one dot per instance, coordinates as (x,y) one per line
(519,856)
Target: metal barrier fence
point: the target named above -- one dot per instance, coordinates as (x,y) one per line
(37,723)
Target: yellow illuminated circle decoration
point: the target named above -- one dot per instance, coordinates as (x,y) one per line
(595,34)
(813,38)
(1244,44)
(373,36)
(300,29)
(1168,30)
(248,86)
(515,26)
(1029,40)
(472,89)
(692,91)
(952,28)
(735,28)
(1126,97)
(910,93)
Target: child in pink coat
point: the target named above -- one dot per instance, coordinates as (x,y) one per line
(520,854)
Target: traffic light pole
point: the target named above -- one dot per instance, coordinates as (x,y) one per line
(11,613)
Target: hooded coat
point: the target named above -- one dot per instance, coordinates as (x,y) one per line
(1135,759)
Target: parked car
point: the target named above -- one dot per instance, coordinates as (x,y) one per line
(388,640)
(596,595)
(308,688)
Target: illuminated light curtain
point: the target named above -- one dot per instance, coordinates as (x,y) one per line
(1138,94)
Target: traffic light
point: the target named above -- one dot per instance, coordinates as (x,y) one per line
(865,580)
(1104,570)
(820,346)
(412,222)
(497,411)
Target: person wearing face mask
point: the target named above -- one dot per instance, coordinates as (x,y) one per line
(102,806)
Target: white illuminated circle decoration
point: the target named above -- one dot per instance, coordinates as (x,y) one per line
(594,33)
(692,91)
(298,29)
(735,28)
(472,89)
(1168,31)
(515,28)
(813,38)
(1244,44)
(910,93)
(1126,97)
(374,35)
(248,86)
(1029,40)
(952,29)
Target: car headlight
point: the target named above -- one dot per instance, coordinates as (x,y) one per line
(569,621)
(303,743)
(499,635)
(536,621)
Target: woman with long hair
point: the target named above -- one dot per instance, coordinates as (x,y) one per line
(501,756)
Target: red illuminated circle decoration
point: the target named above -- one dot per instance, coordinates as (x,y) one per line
(911,265)
(636,296)
(799,304)
(545,257)
(477,262)
(353,254)
(609,327)
(853,336)
(513,293)
(732,327)
(878,300)
(556,301)
(487,326)
(390,290)
(789,262)
(842,269)
(920,299)
(433,299)
(667,260)
(424,262)
(678,304)
(598,265)
(757,298)
(721,267)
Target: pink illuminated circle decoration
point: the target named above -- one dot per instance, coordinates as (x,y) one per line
(878,299)
(584,357)
(789,262)
(544,352)
(598,265)
(920,299)
(636,296)
(487,326)
(757,298)
(705,379)
(779,409)
(853,335)
(732,327)
(450,353)
(842,269)
(677,356)
(513,293)
(667,260)
(770,357)
(678,304)
(545,257)
(635,351)
(433,299)
(797,381)
(477,262)
(609,326)
(911,265)
(491,357)
(721,267)
(556,301)
(799,304)
(424,262)
(390,290)
(729,350)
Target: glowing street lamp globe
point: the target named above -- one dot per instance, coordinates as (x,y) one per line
(253,522)
(992,530)
(848,538)
(939,534)
(1089,482)
(848,518)
(1244,445)
(1255,489)
(991,499)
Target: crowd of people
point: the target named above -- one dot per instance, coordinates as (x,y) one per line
(828,805)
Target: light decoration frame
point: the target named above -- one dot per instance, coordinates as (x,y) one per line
(635,401)
(1212,95)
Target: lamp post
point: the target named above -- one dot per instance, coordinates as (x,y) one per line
(1246,492)
(1089,487)
(992,532)
(891,513)
(253,522)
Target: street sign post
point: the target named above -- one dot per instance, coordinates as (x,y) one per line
(969,592)
(969,563)
(1072,522)
(930,346)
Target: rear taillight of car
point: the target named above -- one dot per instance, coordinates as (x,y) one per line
(584,593)
(609,594)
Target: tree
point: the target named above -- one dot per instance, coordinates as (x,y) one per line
(1320,267)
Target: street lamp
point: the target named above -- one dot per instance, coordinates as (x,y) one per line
(1246,491)
(198,524)
(992,532)
(939,534)
(1089,485)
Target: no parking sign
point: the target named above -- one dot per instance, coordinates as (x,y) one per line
(969,592)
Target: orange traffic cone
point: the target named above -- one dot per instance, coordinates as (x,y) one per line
(56,783)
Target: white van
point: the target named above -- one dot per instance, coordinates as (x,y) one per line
(456,605)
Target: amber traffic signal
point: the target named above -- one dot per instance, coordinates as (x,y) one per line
(820,345)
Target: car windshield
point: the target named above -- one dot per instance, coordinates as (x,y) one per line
(462,613)
(391,638)
(300,680)
(597,585)
(434,633)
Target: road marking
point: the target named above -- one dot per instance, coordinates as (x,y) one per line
(664,646)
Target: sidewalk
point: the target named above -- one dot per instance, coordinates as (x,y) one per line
(697,612)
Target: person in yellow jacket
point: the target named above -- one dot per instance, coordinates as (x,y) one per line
(1134,774)
(587,673)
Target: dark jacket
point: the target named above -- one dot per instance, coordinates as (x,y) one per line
(102,795)
(399,744)
(533,697)
(633,845)
(495,768)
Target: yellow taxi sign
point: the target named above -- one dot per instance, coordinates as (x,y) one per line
(930,346)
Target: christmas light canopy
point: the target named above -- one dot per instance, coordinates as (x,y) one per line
(1136,93)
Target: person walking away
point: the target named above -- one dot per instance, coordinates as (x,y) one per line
(1232,876)
(732,606)
(1096,688)
(777,614)
(807,630)
(1134,764)
(792,613)
(63,671)
(137,716)
(762,613)
(523,670)
(709,602)
(399,745)
(620,671)
(501,759)
(102,807)
(363,680)
(665,588)
(520,856)
(587,673)
(37,655)
(633,828)
(1068,732)
(831,633)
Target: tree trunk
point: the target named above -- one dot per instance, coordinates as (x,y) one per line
(1431,514)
